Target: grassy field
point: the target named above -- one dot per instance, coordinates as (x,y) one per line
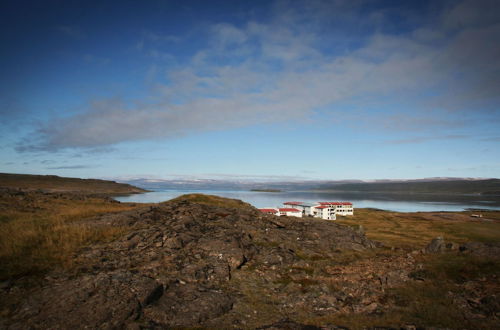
(445,280)
(415,230)
(39,232)
(446,283)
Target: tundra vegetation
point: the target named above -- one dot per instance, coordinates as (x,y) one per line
(270,270)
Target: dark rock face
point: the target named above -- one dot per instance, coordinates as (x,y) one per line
(107,300)
(186,265)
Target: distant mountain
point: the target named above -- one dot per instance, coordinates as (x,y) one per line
(423,186)
(53,183)
(209,184)
(438,185)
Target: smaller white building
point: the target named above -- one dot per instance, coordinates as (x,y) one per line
(306,208)
(285,211)
(291,212)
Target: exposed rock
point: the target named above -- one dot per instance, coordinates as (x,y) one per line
(103,300)
(186,305)
(491,250)
(437,245)
(183,264)
(290,325)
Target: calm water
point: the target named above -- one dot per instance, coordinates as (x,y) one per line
(385,202)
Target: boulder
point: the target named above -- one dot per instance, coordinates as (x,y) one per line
(437,245)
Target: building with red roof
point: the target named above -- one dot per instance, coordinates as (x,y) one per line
(341,208)
(269,211)
(323,210)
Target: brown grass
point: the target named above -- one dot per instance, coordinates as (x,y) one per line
(43,232)
(212,200)
(415,230)
(431,301)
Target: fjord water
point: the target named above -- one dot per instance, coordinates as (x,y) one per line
(392,202)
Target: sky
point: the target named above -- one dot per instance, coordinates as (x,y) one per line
(250,90)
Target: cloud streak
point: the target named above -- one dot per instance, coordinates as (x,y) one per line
(423,139)
(69,167)
(287,68)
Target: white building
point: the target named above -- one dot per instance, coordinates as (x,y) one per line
(341,208)
(326,212)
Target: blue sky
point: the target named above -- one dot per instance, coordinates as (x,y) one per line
(284,90)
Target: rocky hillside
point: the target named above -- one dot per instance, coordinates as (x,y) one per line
(53,183)
(185,264)
(208,262)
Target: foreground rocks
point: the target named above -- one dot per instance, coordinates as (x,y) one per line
(182,264)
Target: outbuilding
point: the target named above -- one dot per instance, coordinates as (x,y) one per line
(291,212)
(270,211)
(305,208)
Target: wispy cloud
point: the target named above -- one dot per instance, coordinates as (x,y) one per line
(423,139)
(69,167)
(252,177)
(288,68)
(492,139)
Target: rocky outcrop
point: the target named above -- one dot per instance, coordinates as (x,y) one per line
(183,264)
(436,245)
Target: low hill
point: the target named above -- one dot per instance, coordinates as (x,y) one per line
(53,183)
(483,187)
(212,200)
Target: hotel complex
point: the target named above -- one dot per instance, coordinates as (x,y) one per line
(323,210)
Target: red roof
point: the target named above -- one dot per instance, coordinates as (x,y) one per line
(293,203)
(268,210)
(322,207)
(335,203)
(288,210)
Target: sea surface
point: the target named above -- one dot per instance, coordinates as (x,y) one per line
(392,202)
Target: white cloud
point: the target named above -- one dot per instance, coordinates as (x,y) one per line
(280,69)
